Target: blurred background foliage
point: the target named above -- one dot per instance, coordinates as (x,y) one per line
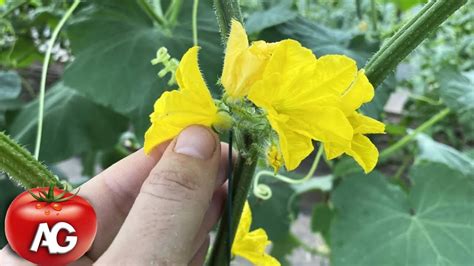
(101,88)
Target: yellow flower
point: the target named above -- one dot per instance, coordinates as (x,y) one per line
(363,151)
(299,96)
(191,104)
(252,245)
(274,158)
(243,64)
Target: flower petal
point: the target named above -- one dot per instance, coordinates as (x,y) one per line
(252,245)
(359,93)
(366,125)
(237,43)
(325,124)
(176,110)
(334,73)
(332,150)
(287,57)
(189,76)
(252,248)
(244,223)
(364,152)
(243,64)
(294,146)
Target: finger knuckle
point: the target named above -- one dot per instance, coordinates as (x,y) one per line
(166,183)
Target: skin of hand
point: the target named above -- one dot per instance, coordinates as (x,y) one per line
(156,209)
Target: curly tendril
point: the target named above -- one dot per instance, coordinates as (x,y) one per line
(264,192)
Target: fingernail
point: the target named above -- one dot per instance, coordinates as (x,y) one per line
(197,142)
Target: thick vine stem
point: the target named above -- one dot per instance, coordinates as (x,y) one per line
(22,167)
(226,10)
(408,37)
(242,181)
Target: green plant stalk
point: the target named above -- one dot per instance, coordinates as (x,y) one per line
(195,26)
(408,37)
(242,176)
(22,167)
(242,181)
(226,10)
(150,11)
(44,73)
(172,13)
(358,9)
(373,14)
(408,138)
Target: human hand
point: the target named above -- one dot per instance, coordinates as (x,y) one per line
(156,209)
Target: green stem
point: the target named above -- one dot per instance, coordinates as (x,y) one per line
(22,167)
(358,9)
(226,10)
(242,181)
(408,38)
(44,73)
(408,138)
(195,28)
(406,163)
(173,12)
(373,14)
(150,11)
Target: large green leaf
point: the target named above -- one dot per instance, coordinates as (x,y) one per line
(433,151)
(10,85)
(377,223)
(8,192)
(275,15)
(10,89)
(72,125)
(113,43)
(456,90)
(321,219)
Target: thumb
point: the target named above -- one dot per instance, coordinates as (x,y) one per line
(169,210)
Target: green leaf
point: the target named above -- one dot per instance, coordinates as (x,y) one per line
(24,53)
(72,125)
(273,16)
(406,4)
(113,43)
(456,90)
(321,220)
(283,247)
(346,166)
(323,183)
(8,192)
(377,223)
(10,85)
(10,89)
(433,151)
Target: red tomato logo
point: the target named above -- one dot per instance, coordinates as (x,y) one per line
(50,227)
